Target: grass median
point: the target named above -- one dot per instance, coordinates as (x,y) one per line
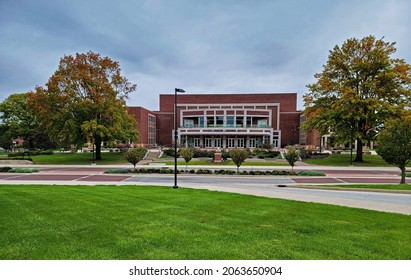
(129,222)
(79,158)
(344,160)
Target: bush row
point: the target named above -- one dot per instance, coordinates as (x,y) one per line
(30,153)
(198,153)
(7,169)
(219,171)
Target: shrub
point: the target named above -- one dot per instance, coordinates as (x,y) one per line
(117,171)
(292,155)
(187,154)
(238,156)
(225,155)
(224,172)
(169,152)
(22,170)
(5,169)
(204,171)
(311,173)
(134,155)
(203,153)
(14,154)
(166,171)
(304,154)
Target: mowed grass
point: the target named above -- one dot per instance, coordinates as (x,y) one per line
(344,160)
(79,158)
(130,222)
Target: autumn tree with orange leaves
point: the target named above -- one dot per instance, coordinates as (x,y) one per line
(85,100)
(360,87)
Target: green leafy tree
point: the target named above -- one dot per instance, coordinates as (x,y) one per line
(292,156)
(360,87)
(135,155)
(19,120)
(5,140)
(238,156)
(84,100)
(187,154)
(394,143)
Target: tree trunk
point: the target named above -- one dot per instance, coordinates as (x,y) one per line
(402,167)
(358,156)
(98,148)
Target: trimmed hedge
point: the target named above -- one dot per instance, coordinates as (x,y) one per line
(201,171)
(30,153)
(7,169)
(311,173)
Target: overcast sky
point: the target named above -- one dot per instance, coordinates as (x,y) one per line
(202,46)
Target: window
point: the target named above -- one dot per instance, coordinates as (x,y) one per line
(151,130)
(230,121)
(210,121)
(217,142)
(231,143)
(208,142)
(196,142)
(239,121)
(253,142)
(249,121)
(201,121)
(188,123)
(219,121)
(240,142)
(262,123)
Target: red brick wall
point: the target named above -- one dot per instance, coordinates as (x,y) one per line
(289,123)
(165,125)
(141,115)
(313,138)
(289,117)
(288,101)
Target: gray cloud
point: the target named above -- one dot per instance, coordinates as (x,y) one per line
(202,46)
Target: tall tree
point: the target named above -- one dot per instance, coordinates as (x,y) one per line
(85,100)
(360,87)
(394,142)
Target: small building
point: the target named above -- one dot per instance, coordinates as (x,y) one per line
(223,121)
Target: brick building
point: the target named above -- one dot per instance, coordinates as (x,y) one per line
(221,120)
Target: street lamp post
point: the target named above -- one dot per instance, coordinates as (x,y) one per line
(175,135)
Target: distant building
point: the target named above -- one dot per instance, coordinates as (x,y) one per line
(222,120)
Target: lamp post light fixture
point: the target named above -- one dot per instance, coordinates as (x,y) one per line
(176,135)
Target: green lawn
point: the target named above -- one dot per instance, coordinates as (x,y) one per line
(344,160)
(129,222)
(79,158)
